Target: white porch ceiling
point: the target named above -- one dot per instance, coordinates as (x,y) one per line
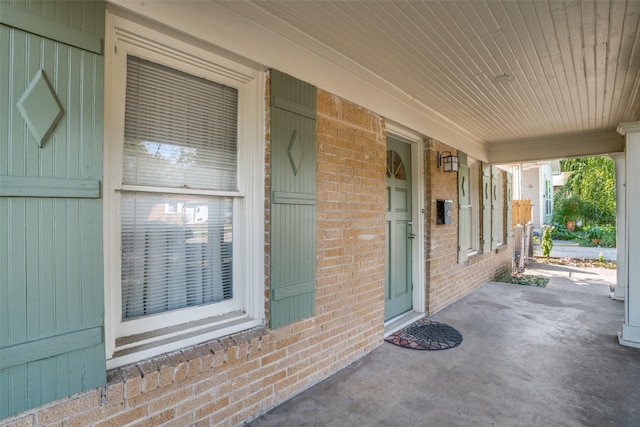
(574,66)
(522,80)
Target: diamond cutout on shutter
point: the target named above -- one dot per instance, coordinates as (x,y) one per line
(40,107)
(295,152)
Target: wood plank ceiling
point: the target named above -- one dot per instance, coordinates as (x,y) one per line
(504,71)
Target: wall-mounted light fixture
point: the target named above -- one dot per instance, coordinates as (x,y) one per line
(447,162)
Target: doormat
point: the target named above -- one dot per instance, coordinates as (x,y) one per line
(426,334)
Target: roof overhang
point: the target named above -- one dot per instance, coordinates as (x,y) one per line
(556,147)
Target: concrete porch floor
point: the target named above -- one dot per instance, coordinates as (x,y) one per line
(530,357)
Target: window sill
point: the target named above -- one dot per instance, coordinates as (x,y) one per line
(139,347)
(473,257)
(501,247)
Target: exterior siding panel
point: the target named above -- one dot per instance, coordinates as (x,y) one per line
(293,199)
(51,257)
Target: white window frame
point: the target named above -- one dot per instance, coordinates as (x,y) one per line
(548,200)
(137,339)
(475,171)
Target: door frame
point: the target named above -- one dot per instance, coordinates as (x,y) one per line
(415,140)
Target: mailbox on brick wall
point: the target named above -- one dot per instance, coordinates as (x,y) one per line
(443,211)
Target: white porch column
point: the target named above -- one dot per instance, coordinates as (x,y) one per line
(621,227)
(630,335)
(516,182)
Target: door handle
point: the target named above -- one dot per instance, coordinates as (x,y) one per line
(411,236)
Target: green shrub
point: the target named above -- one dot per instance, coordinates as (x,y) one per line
(560,232)
(567,209)
(547,242)
(529,280)
(595,232)
(604,235)
(609,235)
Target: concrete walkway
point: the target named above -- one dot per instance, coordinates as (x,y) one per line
(599,281)
(565,249)
(530,357)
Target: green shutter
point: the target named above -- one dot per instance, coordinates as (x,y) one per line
(497,207)
(486,208)
(51,274)
(293,199)
(508,211)
(464,208)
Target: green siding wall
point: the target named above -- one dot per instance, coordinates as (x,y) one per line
(293,199)
(51,260)
(72,22)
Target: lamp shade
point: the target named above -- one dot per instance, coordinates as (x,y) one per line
(450,164)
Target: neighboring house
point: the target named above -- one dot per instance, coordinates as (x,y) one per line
(534,181)
(559,180)
(201,216)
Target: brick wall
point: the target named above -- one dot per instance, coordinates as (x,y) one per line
(351,217)
(448,281)
(234,379)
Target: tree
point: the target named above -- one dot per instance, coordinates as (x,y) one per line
(593,180)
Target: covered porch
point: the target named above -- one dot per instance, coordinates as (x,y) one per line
(529,356)
(505,82)
(488,82)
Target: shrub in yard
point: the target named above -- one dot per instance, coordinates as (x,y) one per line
(567,209)
(560,232)
(547,242)
(604,235)
(595,232)
(608,237)
(529,280)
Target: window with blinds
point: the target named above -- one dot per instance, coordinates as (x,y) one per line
(180,135)
(474,205)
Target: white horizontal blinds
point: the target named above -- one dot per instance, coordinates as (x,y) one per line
(176,252)
(180,130)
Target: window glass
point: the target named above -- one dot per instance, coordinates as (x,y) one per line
(180,133)
(176,252)
(180,130)
(395,166)
(474,202)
